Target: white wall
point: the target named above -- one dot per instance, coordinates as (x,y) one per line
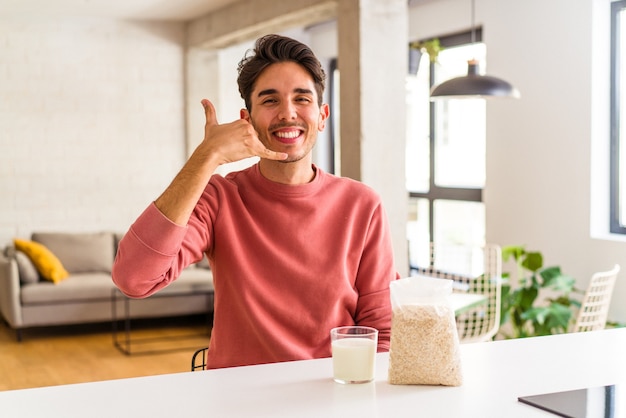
(91,121)
(539,148)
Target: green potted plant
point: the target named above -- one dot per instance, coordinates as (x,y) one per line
(522,308)
(432,47)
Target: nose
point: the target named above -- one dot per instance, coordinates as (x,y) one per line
(287,111)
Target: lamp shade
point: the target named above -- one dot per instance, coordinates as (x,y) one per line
(474,85)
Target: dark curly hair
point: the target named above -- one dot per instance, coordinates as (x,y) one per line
(271,49)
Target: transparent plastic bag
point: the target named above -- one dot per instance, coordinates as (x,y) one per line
(424,346)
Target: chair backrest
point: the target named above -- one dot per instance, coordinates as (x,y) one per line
(474,270)
(594,307)
(198,360)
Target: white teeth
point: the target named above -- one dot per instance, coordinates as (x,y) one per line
(288,135)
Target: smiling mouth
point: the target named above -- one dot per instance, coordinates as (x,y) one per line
(288,136)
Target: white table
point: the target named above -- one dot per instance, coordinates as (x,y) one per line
(496,373)
(461,302)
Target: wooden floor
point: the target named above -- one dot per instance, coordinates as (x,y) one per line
(85,353)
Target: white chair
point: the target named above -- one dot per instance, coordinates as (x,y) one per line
(594,307)
(474,270)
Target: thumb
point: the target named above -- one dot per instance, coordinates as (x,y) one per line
(209,112)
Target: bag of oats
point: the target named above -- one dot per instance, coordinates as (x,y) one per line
(424,346)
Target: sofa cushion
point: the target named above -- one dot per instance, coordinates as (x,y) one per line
(83,287)
(117,237)
(80,252)
(26,269)
(47,264)
(77,287)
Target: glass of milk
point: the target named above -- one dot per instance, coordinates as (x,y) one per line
(354,353)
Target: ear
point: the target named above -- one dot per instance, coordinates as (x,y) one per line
(324,113)
(244,114)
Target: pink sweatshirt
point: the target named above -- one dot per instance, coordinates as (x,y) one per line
(289,263)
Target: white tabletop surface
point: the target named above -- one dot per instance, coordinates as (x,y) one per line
(495,374)
(463,301)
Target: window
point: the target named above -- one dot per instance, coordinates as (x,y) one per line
(445,156)
(618,113)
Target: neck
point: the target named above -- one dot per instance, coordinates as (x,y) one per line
(297,172)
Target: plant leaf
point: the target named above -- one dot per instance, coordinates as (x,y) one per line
(550,272)
(562,283)
(533,261)
(515,251)
(525,297)
(559,318)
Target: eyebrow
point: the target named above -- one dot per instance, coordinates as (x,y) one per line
(267,92)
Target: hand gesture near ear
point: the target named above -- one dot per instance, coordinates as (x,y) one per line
(233,141)
(222,144)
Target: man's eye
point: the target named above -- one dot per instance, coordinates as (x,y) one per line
(269,101)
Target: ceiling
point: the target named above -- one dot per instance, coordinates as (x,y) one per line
(171,10)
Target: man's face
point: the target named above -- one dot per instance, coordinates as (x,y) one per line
(284,110)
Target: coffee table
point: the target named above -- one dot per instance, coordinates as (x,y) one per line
(125,343)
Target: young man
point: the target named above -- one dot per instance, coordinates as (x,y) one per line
(294,251)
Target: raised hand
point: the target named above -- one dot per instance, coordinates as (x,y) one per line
(233,141)
(222,143)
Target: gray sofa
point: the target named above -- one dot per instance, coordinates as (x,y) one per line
(86,296)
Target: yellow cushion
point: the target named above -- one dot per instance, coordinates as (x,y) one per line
(47,264)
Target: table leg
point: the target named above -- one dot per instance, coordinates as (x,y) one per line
(125,347)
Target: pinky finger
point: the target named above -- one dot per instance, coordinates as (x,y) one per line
(273,155)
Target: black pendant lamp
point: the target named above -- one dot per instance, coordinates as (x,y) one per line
(474,85)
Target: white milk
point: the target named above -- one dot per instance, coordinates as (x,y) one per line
(353,359)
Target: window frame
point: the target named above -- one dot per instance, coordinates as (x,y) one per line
(436,192)
(616,196)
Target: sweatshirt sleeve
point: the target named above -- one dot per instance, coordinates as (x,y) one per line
(148,256)
(376,272)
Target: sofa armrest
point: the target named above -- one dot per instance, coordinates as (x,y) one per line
(10,305)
